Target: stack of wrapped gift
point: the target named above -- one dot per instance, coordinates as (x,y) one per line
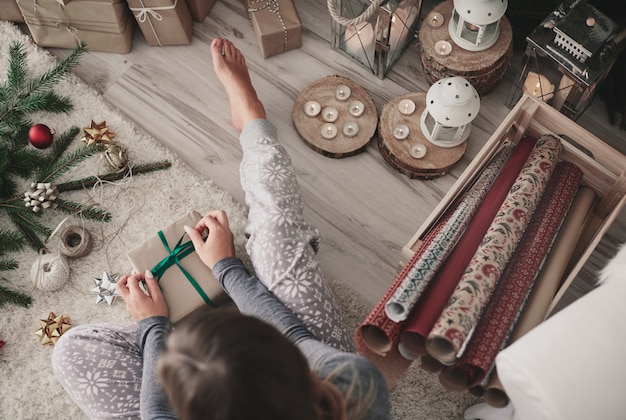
(163,22)
(276,25)
(186,282)
(104,25)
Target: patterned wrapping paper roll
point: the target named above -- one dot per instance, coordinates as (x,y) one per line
(535,310)
(434,298)
(517,280)
(379,331)
(458,319)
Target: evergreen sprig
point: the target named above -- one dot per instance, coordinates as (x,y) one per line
(8,296)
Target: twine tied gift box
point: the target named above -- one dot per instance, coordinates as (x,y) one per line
(163,22)
(276,25)
(187,283)
(104,25)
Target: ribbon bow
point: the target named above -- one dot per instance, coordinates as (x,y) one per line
(180,251)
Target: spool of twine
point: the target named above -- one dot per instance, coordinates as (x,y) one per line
(50,272)
(75,242)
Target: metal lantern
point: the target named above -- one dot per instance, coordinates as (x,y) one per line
(451,106)
(374,33)
(567,57)
(475,24)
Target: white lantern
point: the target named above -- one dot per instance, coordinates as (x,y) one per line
(475,24)
(451,106)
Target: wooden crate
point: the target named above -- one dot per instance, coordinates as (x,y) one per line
(604,170)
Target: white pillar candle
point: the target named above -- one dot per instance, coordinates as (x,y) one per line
(406,107)
(312,108)
(328,131)
(356,108)
(330,114)
(342,93)
(401,131)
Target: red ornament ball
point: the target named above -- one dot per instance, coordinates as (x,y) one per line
(40,136)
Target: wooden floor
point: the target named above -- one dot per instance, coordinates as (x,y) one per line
(365,210)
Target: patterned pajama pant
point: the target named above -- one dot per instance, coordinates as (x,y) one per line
(100,366)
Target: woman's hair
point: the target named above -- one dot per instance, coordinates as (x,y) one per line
(221,364)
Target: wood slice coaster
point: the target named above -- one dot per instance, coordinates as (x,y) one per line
(436,161)
(310,128)
(483,69)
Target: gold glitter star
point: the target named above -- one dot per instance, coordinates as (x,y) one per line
(97,133)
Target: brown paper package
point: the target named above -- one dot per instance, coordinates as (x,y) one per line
(105,25)
(180,295)
(175,26)
(268,27)
(200,9)
(9,11)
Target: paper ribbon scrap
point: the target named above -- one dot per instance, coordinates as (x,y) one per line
(272,6)
(180,251)
(106,288)
(52,328)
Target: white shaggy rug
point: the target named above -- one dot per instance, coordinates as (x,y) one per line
(140,207)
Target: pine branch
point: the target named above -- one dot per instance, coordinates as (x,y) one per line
(25,220)
(62,142)
(90,181)
(57,167)
(91,213)
(52,76)
(10,241)
(44,102)
(7,265)
(8,296)
(17,68)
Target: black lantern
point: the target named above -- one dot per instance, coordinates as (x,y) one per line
(374,33)
(567,57)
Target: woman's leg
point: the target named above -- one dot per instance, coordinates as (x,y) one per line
(282,245)
(100,367)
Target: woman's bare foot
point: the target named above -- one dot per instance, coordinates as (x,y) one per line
(230,67)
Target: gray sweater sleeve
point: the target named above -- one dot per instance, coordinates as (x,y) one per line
(346,370)
(150,335)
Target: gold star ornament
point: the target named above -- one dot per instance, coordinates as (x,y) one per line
(52,328)
(97,133)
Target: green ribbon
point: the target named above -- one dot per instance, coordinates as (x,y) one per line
(180,251)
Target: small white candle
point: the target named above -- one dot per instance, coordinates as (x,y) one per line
(328,131)
(401,131)
(443,47)
(356,108)
(330,114)
(312,108)
(406,106)
(350,129)
(417,151)
(342,93)
(434,19)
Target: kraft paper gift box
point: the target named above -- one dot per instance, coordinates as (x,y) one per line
(9,11)
(276,25)
(200,8)
(177,280)
(104,25)
(163,22)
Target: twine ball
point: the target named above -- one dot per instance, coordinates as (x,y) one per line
(75,242)
(50,272)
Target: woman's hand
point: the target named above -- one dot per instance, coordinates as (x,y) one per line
(219,243)
(139,304)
